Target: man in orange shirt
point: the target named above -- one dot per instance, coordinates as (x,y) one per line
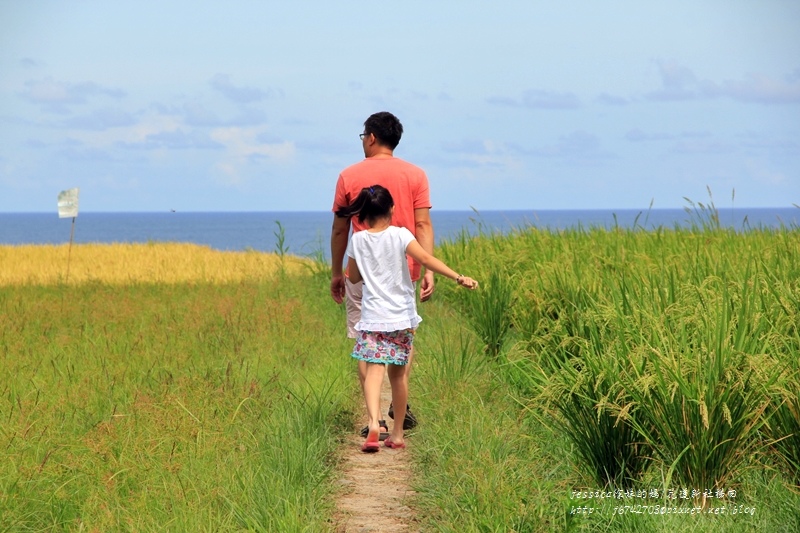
(408,185)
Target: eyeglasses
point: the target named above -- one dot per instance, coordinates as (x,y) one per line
(362,135)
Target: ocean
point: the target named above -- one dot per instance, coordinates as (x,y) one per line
(308,233)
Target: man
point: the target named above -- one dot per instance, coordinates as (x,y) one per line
(408,185)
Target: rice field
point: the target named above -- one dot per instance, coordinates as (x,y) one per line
(600,380)
(665,362)
(171,405)
(136,263)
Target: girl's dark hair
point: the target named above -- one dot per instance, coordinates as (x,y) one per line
(371,203)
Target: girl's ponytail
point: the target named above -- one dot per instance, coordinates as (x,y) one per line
(371,203)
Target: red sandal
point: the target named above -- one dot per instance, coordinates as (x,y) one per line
(370,447)
(372,444)
(389,443)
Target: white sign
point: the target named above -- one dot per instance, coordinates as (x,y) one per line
(68,203)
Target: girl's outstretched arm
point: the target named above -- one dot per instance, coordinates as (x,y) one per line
(415,250)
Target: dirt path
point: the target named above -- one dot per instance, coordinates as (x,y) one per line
(375,486)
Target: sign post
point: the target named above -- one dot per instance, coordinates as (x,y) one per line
(68,207)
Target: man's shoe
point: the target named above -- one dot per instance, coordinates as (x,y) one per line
(384,430)
(409,422)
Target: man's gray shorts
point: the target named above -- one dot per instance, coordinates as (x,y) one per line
(353,293)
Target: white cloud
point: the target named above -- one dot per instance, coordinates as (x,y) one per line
(241,95)
(763,89)
(29,62)
(610,99)
(577,145)
(179,139)
(101,119)
(495,154)
(761,174)
(704,147)
(134,135)
(539,99)
(196,114)
(55,95)
(637,135)
(243,143)
(680,83)
(242,147)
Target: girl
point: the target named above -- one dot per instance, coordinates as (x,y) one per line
(389,316)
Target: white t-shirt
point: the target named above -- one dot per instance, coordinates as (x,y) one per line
(388,302)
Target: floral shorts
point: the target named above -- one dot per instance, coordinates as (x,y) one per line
(385,347)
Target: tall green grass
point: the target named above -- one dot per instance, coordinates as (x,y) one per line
(784,421)
(183,407)
(478,465)
(666,359)
(489,311)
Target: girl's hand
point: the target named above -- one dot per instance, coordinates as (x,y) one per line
(469,283)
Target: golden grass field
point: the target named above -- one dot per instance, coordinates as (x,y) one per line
(136,263)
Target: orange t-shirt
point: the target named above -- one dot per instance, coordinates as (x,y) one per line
(407,184)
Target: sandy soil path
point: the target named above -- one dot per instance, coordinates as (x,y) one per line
(375,486)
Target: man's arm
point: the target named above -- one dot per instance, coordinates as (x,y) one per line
(339,232)
(424,236)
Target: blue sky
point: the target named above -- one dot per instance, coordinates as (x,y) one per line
(257,106)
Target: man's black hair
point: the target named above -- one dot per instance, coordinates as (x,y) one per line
(386,128)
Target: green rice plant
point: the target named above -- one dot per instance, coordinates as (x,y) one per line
(526,378)
(784,421)
(455,357)
(528,316)
(582,398)
(570,305)
(700,394)
(703,217)
(703,420)
(489,311)
(785,432)
(604,318)
(281,248)
(573,374)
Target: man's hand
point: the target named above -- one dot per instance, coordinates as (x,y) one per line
(426,287)
(337,288)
